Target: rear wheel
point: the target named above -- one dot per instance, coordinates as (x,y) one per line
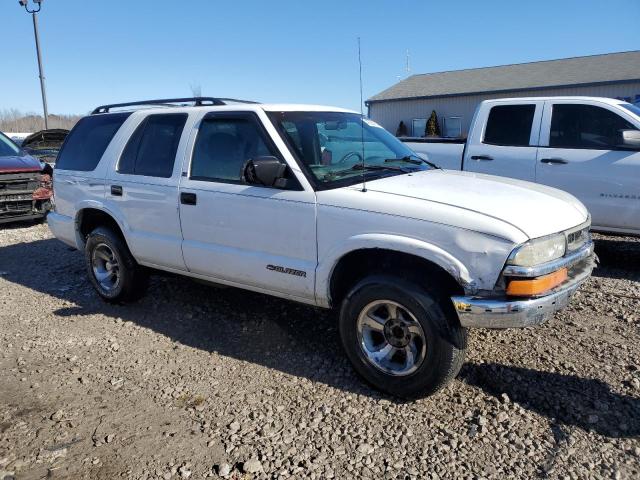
(402,338)
(113,271)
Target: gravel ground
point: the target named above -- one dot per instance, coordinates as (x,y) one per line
(195,381)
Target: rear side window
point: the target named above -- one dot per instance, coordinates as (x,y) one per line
(152,148)
(510,125)
(86,143)
(586,126)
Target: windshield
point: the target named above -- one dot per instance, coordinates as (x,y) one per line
(331,146)
(632,108)
(7,147)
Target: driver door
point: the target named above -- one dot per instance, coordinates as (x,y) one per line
(259,237)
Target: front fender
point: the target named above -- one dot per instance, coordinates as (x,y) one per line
(385,241)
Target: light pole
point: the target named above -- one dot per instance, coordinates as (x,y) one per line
(34,15)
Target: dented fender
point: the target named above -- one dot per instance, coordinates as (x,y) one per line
(472,265)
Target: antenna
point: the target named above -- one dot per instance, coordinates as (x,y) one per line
(364,184)
(408,66)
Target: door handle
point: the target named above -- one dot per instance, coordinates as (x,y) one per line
(187,198)
(116,190)
(481,157)
(554,161)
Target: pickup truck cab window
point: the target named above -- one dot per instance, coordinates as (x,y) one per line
(510,125)
(585,126)
(222,147)
(151,151)
(330,146)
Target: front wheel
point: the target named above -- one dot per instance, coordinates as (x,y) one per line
(400,337)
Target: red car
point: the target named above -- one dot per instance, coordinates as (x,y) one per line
(25,184)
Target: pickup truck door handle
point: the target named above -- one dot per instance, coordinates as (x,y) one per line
(116,190)
(187,198)
(555,161)
(481,157)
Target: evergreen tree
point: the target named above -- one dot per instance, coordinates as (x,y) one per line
(433,126)
(402,130)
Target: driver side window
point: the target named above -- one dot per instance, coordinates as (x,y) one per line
(223,146)
(586,126)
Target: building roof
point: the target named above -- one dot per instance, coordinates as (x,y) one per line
(594,69)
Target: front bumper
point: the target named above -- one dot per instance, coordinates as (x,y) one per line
(478,312)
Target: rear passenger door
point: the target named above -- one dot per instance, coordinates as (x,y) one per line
(248,235)
(508,143)
(143,189)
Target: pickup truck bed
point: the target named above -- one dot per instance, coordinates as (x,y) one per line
(444,152)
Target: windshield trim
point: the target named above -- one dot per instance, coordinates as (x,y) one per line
(369,175)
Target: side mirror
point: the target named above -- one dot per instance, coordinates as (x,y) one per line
(630,139)
(267,171)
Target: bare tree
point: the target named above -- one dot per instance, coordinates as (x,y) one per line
(13,120)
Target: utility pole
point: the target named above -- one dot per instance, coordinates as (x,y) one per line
(408,66)
(34,15)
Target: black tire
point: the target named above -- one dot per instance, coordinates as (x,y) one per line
(133,279)
(445,339)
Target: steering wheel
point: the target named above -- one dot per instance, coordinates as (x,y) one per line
(348,156)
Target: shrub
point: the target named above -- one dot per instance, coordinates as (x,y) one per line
(433,126)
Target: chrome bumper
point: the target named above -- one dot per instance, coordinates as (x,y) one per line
(476,312)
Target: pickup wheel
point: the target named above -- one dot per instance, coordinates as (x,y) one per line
(402,338)
(113,271)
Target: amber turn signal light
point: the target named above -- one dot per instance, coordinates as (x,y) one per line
(536,286)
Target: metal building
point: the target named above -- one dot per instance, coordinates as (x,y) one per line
(454,95)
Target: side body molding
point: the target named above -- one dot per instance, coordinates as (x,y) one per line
(386,241)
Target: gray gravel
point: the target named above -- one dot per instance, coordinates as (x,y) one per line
(196,382)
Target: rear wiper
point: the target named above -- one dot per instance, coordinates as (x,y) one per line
(415,161)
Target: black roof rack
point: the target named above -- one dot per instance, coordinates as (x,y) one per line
(197,101)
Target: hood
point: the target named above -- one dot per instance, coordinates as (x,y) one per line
(18,164)
(533,209)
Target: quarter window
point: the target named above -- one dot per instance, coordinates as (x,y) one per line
(151,150)
(222,147)
(510,125)
(87,141)
(586,126)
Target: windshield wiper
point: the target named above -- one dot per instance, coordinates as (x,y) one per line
(415,161)
(360,166)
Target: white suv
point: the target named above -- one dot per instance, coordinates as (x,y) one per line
(322,206)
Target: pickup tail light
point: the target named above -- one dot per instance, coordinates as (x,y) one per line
(536,286)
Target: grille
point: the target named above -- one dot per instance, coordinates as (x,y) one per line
(15,207)
(13,186)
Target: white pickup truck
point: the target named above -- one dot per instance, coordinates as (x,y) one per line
(322,206)
(587,146)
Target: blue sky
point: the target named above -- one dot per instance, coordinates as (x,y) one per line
(284,51)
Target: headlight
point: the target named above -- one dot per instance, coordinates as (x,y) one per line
(538,251)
